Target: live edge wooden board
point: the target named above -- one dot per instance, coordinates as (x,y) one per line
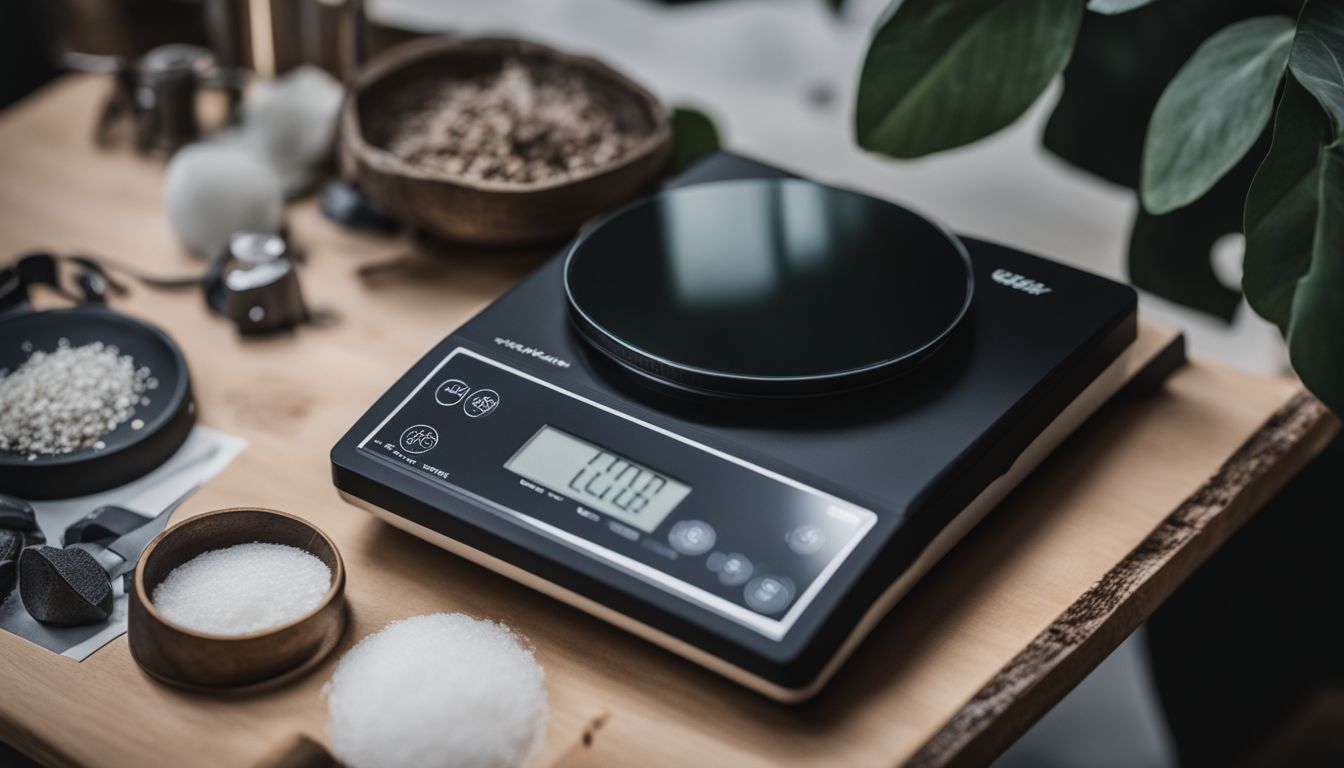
(1014,617)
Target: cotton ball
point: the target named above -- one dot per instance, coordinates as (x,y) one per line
(215,190)
(437,690)
(291,123)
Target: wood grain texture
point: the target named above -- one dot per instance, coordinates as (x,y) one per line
(615,700)
(985,725)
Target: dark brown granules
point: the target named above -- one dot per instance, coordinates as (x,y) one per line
(521,124)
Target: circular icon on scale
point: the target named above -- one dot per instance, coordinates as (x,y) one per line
(736,570)
(481,403)
(419,438)
(692,537)
(806,539)
(451,392)
(769,594)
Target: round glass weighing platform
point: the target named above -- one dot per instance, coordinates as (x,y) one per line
(767,288)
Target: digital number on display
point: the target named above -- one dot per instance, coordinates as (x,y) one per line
(598,479)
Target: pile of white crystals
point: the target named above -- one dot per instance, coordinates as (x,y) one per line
(242,589)
(64,400)
(439,690)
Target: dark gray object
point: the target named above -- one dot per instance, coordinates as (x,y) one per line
(58,587)
(102,525)
(261,289)
(64,587)
(11,543)
(18,515)
(9,576)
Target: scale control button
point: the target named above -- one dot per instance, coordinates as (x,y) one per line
(419,438)
(735,569)
(658,548)
(769,594)
(692,537)
(451,392)
(481,403)
(806,539)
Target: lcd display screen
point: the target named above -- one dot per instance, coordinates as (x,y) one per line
(598,479)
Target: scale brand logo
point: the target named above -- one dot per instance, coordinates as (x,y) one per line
(1019,283)
(539,354)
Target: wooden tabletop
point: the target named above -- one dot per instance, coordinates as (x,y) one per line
(1014,617)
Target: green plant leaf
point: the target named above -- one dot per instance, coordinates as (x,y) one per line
(1281,206)
(1314,343)
(1294,267)
(1213,111)
(694,135)
(1119,68)
(1171,255)
(1317,53)
(1112,7)
(943,73)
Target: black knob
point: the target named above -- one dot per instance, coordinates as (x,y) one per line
(64,587)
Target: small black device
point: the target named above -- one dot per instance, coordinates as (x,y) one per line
(255,284)
(740,418)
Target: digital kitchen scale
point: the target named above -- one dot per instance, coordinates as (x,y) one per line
(742,417)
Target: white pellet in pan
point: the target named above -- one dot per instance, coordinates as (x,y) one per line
(241,589)
(437,691)
(62,401)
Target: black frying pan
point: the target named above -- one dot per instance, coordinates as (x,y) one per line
(129,453)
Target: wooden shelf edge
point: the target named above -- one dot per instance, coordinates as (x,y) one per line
(1094,625)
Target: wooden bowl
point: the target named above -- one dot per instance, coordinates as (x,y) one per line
(489,212)
(201,661)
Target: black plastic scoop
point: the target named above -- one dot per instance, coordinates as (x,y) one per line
(102,526)
(73,586)
(69,587)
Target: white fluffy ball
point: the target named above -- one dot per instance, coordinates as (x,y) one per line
(438,690)
(290,123)
(215,190)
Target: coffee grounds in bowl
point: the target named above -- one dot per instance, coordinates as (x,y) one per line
(523,124)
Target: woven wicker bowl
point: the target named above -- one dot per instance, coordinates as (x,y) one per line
(489,212)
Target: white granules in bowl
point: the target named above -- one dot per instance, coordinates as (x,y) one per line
(244,588)
(437,690)
(62,401)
